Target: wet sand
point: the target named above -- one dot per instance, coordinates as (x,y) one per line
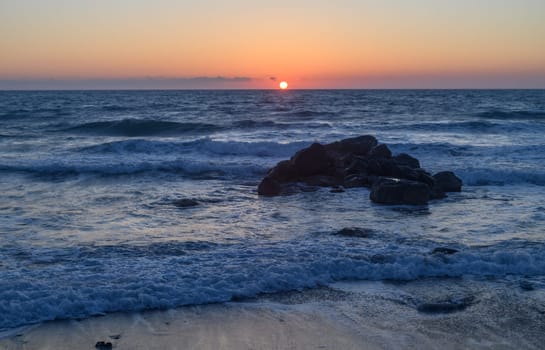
(428,314)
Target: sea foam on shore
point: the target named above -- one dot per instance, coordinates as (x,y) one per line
(346,315)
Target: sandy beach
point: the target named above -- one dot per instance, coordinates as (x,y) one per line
(348,315)
(259,175)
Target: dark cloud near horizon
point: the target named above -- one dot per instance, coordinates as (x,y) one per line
(213,79)
(272,78)
(203,82)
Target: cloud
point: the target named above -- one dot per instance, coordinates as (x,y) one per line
(203,82)
(213,79)
(272,78)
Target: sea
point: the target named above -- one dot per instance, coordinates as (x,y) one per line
(122,201)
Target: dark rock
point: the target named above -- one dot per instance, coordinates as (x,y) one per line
(527,286)
(185,203)
(336,189)
(385,167)
(425,177)
(444,307)
(381,151)
(356,181)
(407,160)
(375,167)
(358,162)
(399,191)
(405,172)
(322,180)
(269,187)
(360,145)
(448,182)
(284,171)
(354,232)
(358,165)
(437,193)
(310,161)
(291,188)
(444,250)
(103,345)
(305,188)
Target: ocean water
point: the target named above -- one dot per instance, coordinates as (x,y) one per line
(90,186)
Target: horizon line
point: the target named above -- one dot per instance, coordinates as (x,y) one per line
(271,89)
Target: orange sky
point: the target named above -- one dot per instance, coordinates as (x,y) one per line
(311,44)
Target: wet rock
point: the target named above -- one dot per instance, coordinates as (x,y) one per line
(444,251)
(425,177)
(185,203)
(356,181)
(354,232)
(357,165)
(306,188)
(437,193)
(376,167)
(407,160)
(360,145)
(444,307)
(399,191)
(448,182)
(527,286)
(284,171)
(313,160)
(358,162)
(381,151)
(322,180)
(101,345)
(337,189)
(269,187)
(404,172)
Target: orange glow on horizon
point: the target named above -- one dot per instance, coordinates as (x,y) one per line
(240,44)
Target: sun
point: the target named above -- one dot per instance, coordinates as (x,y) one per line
(283,85)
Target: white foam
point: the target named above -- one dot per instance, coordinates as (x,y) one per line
(99,283)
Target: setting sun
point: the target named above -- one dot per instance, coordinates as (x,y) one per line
(283,85)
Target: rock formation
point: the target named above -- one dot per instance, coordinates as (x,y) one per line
(359,162)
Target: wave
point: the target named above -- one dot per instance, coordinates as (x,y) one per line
(499,165)
(117,108)
(490,176)
(206,146)
(482,165)
(469,127)
(9,136)
(16,114)
(507,152)
(24,113)
(192,168)
(140,127)
(436,148)
(269,124)
(303,113)
(114,279)
(149,127)
(464,126)
(515,115)
(198,158)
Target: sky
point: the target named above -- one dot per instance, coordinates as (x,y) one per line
(239,44)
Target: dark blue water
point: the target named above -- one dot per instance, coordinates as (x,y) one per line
(90,184)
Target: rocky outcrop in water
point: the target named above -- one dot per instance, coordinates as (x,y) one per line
(101,345)
(359,162)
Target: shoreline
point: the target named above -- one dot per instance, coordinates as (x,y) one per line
(345,315)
